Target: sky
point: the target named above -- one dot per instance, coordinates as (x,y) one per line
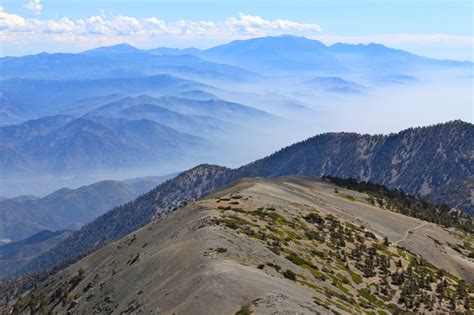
(440,29)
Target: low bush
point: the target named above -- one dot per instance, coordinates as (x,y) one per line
(289,274)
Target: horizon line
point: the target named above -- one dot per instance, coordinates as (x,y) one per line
(128,43)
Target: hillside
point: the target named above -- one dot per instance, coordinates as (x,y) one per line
(292,244)
(417,160)
(459,193)
(121,220)
(324,154)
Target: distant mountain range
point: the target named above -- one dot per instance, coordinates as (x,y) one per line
(287,54)
(61,144)
(43,84)
(418,160)
(334,84)
(240,60)
(24,216)
(209,111)
(118,61)
(125,133)
(35,97)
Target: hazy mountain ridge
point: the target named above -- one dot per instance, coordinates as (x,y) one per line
(62,143)
(324,154)
(214,108)
(35,97)
(237,60)
(334,84)
(132,132)
(106,62)
(291,54)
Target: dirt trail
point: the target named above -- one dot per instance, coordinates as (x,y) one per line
(408,232)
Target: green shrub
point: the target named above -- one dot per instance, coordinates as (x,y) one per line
(277,267)
(289,274)
(357,278)
(314,218)
(244,310)
(367,295)
(297,260)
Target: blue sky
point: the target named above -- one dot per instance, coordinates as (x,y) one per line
(440,29)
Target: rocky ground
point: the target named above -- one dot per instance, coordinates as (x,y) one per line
(292,245)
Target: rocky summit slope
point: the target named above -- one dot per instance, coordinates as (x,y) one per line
(283,246)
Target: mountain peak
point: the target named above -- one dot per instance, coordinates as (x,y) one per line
(271,249)
(281,41)
(112,50)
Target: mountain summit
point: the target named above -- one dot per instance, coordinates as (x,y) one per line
(112,50)
(295,244)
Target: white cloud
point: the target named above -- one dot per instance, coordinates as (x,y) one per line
(20,35)
(34,6)
(255,25)
(11,24)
